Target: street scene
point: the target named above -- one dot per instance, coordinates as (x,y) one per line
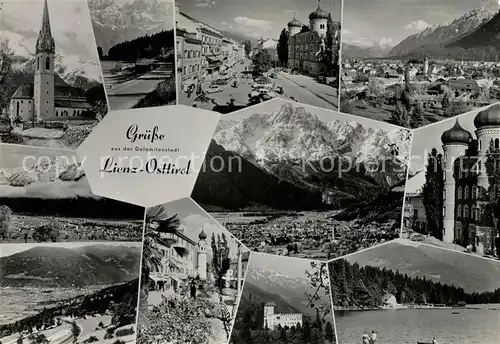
(436,61)
(137,60)
(225,66)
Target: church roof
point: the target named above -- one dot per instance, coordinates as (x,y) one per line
(45,41)
(319,14)
(488,118)
(61,90)
(294,23)
(456,134)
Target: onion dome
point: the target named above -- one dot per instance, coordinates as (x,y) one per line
(488,118)
(294,23)
(457,134)
(202,235)
(319,14)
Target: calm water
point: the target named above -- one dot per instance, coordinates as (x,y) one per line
(407,326)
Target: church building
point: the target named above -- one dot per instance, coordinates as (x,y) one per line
(466,181)
(305,48)
(47,96)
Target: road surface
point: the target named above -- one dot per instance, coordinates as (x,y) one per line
(127,94)
(300,88)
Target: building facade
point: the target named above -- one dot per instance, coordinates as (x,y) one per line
(185,258)
(273,320)
(48,96)
(189,57)
(305,48)
(466,181)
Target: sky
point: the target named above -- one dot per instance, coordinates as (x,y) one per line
(322,114)
(10,249)
(428,137)
(193,218)
(387,22)
(70,24)
(255,18)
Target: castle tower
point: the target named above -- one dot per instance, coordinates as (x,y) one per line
(455,143)
(44,74)
(202,255)
(318,21)
(426,65)
(487,123)
(294,26)
(268,315)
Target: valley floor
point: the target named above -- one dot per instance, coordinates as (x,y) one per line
(314,235)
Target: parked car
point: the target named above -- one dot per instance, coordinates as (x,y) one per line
(214,89)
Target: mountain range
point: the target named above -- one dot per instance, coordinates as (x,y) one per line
(290,158)
(116,21)
(473,274)
(472,36)
(49,266)
(288,293)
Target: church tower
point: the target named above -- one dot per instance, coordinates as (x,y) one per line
(426,65)
(268,315)
(318,21)
(202,255)
(44,74)
(455,143)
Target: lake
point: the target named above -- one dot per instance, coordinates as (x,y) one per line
(407,326)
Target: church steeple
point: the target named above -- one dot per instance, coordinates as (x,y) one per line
(45,42)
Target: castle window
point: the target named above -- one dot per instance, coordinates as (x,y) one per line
(47,63)
(17,108)
(459,211)
(497,143)
(444,211)
(474,192)
(466,192)
(473,213)
(444,194)
(466,212)
(479,144)
(459,192)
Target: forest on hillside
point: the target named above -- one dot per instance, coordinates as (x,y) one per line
(248,327)
(145,47)
(354,286)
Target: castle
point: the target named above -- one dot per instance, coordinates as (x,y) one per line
(273,320)
(304,48)
(466,182)
(47,96)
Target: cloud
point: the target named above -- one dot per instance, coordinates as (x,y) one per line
(417,25)
(49,190)
(386,42)
(205,3)
(254,27)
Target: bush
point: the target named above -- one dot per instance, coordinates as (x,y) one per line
(119,342)
(100,324)
(91,339)
(124,332)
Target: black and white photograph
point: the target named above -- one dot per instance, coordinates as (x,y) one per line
(301,181)
(192,276)
(285,300)
(409,292)
(417,62)
(450,194)
(45,197)
(51,91)
(233,56)
(135,44)
(57,293)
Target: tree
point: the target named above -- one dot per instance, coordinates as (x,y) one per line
(5,222)
(100,53)
(304,28)
(400,115)
(330,54)
(220,260)
(432,192)
(417,118)
(157,222)
(330,332)
(262,61)
(375,87)
(248,47)
(75,331)
(6,56)
(493,199)
(282,47)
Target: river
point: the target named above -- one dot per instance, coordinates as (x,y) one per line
(408,326)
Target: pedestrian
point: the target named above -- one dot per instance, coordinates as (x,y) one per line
(366,338)
(373,337)
(434,341)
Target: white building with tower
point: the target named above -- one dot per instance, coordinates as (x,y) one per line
(465,197)
(273,320)
(46,96)
(305,46)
